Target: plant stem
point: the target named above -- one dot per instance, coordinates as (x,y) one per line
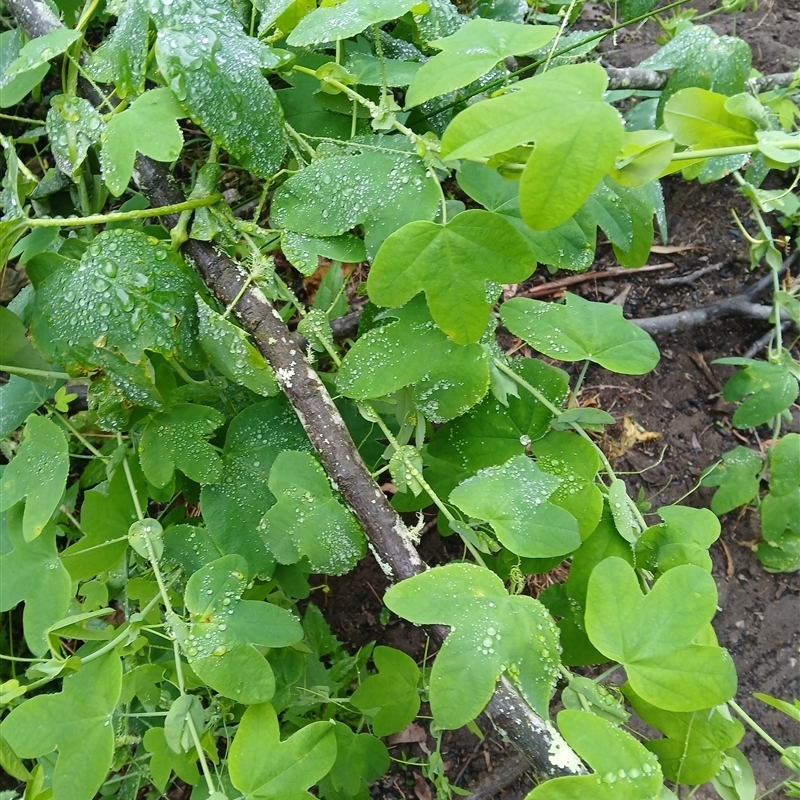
(79,436)
(42,373)
(755,726)
(122,216)
(714,152)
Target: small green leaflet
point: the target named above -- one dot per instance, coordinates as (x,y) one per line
(367,70)
(148,126)
(16,349)
(475,49)
(623,768)
(513,499)
(784,465)
(735,779)
(12,90)
(41,50)
(38,472)
(620,505)
(695,742)
(164,761)
(346,19)
(177,732)
(129,294)
(699,119)
(683,538)
(308,520)
(77,722)
(229,350)
(215,71)
(768,388)
(737,478)
(582,691)
(379,190)
(73,126)
(491,633)
(263,766)
(303,251)
(653,635)
(447,378)
(33,574)
(223,629)
(451,264)
(122,57)
(360,759)
(146,537)
(393,691)
(233,507)
(577,138)
(176,439)
(581,329)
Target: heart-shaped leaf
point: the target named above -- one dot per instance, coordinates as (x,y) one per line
(346,19)
(581,329)
(451,264)
(491,633)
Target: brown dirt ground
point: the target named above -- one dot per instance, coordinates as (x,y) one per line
(759,617)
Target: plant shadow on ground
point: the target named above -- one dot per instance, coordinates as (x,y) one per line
(759,617)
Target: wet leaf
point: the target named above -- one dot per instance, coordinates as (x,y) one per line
(39,51)
(623,768)
(148,126)
(766,390)
(360,759)
(513,498)
(38,473)
(77,722)
(233,507)
(303,251)
(381,191)
(784,465)
(230,351)
(683,538)
(471,249)
(491,633)
(346,19)
(165,761)
(177,439)
(699,119)
(33,574)
(261,765)
(653,636)
(16,349)
(73,126)
(475,49)
(13,89)
(737,478)
(447,378)
(580,330)
(308,520)
(219,639)
(393,691)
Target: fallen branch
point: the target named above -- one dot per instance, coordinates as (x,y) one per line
(387,534)
(551,287)
(493,783)
(651,80)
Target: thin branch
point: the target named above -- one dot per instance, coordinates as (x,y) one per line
(651,80)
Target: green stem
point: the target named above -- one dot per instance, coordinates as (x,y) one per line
(79,436)
(122,216)
(24,120)
(443,199)
(42,373)
(579,382)
(715,152)
(558,36)
(300,140)
(755,726)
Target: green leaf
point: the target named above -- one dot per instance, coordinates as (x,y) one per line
(448,378)
(33,574)
(229,350)
(303,251)
(567,246)
(683,538)
(73,126)
(581,329)
(768,388)
(582,691)
(15,348)
(39,51)
(735,779)
(393,691)
(491,633)
(164,761)
(177,439)
(653,636)
(219,640)
(451,264)
(217,76)
(623,769)
(38,472)
(698,118)
(695,742)
(146,535)
(475,49)
(233,507)
(513,499)
(346,19)
(122,57)
(784,465)
(575,462)
(737,478)
(308,520)
(381,191)
(577,138)
(261,765)
(644,156)
(18,398)
(780,519)
(360,760)
(11,763)
(190,546)
(148,126)
(14,89)
(77,722)
(187,709)
(367,70)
